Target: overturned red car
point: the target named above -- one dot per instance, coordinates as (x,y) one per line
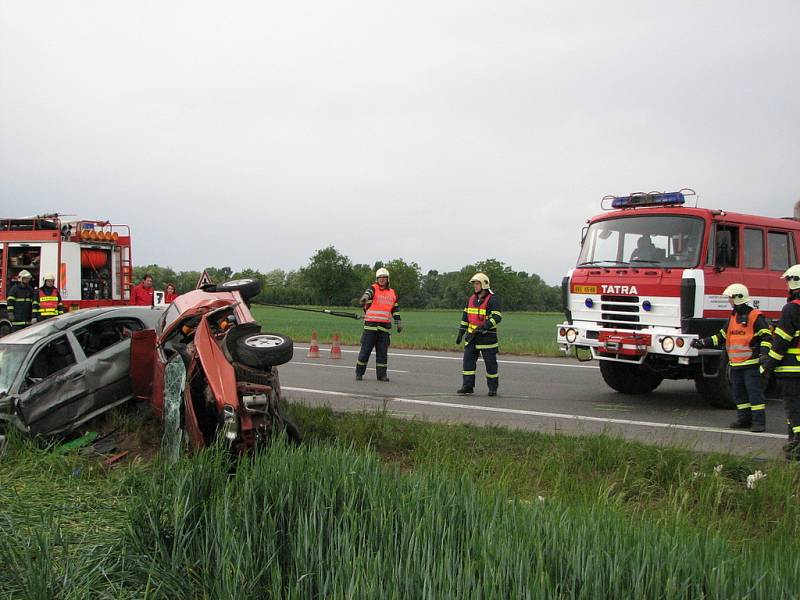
(209,371)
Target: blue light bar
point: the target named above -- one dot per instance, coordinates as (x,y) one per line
(652,199)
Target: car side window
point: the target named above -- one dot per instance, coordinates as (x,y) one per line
(102,334)
(54,357)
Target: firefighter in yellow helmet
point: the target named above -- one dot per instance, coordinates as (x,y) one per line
(380,308)
(50,304)
(784,359)
(746,338)
(478,329)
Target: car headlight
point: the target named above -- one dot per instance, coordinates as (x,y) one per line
(572,335)
(667,344)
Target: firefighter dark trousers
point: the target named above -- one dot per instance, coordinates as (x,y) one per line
(748,394)
(790,386)
(471,353)
(380,341)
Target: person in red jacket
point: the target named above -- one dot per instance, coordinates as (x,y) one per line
(142,294)
(170,293)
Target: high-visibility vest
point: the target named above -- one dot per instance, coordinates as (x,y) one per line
(476,315)
(48,303)
(383,301)
(739,336)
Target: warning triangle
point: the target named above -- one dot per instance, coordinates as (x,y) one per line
(204,280)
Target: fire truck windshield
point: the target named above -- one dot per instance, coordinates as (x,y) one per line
(669,241)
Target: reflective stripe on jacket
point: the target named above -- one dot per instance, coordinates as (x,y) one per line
(785,352)
(49,302)
(738,339)
(383,301)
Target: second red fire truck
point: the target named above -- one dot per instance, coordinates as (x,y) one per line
(649,280)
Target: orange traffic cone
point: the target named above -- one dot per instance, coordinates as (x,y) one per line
(336,349)
(313,347)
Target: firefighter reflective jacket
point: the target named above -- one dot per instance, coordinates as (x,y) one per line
(22,304)
(50,304)
(382,308)
(479,311)
(784,356)
(746,337)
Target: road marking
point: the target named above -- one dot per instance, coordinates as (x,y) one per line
(352,368)
(534,413)
(458,358)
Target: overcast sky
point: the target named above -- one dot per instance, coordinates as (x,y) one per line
(254,133)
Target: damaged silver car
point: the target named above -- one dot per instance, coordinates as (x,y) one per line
(59,373)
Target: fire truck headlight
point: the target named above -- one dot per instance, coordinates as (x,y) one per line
(647,306)
(667,344)
(572,335)
(589,303)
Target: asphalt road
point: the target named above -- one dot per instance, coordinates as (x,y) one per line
(550,395)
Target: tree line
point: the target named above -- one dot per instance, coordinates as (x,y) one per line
(331,279)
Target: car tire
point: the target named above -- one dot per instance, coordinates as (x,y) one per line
(263,350)
(629,379)
(292,431)
(248,288)
(5,329)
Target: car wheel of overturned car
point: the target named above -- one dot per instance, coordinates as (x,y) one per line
(263,350)
(248,288)
(629,379)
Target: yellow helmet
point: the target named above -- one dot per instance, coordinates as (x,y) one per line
(792,277)
(382,273)
(482,279)
(738,293)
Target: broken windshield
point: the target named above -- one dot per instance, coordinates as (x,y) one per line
(644,241)
(11,357)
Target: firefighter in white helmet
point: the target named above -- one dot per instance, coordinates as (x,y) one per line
(50,304)
(478,329)
(380,308)
(746,338)
(22,302)
(784,359)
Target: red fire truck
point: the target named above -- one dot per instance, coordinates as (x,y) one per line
(91,260)
(649,280)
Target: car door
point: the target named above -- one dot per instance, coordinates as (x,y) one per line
(106,344)
(54,392)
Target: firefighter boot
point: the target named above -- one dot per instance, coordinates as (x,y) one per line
(744,419)
(465,390)
(793,449)
(759,420)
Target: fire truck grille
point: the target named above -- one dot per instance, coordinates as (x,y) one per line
(621,312)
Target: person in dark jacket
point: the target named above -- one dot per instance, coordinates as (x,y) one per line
(478,329)
(50,304)
(784,359)
(22,302)
(746,338)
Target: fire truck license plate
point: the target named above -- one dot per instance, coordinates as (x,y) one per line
(585,289)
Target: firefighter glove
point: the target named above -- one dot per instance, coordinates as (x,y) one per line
(399,324)
(459,337)
(698,344)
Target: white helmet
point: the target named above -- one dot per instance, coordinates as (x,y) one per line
(482,279)
(792,277)
(49,277)
(381,273)
(738,293)
(24,274)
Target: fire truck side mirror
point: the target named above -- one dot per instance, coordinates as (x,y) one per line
(583,233)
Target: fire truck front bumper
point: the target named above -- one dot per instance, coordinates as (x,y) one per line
(625,345)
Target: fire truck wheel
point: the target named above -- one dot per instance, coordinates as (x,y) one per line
(5,329)
(263,350)
(248,288)
(629,379)
(716,390)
